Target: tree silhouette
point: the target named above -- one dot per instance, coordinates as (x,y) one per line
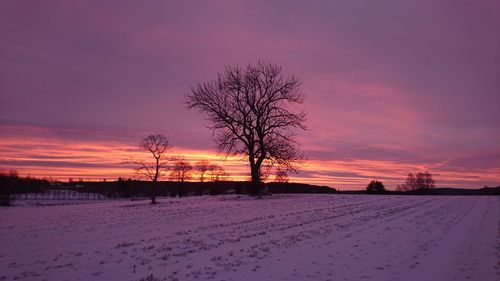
(202,167)
(375,187)
(429,182)
(216,173)
(410,183)
(249,110)
(181,172)
(157,145)
(418,182)
(281,176)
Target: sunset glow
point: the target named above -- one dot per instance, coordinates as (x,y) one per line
(40,153)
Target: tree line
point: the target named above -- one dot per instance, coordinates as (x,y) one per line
(414,183)
(11,183)
(178,168)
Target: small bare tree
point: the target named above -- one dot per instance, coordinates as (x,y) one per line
(157,145)
(281,176)
(249,110)
(181,172)
(410,183)
(202,168)
(216,173)
(428,181)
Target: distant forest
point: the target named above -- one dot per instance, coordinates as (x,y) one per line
(12,184)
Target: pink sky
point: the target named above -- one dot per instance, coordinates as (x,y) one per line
(391,87)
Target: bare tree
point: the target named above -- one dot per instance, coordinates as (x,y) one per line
(410,183)
(281,176)
(157,145)
(216,173)
(429,182)
(181,172)
(418,182)
(249,110)
(202,168)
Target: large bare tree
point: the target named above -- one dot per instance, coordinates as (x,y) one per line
(250,112)
(157,145)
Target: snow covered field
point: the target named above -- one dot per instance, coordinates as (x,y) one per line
(281,237)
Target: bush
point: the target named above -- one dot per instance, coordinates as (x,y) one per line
(375,187)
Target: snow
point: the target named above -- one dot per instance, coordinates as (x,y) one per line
(279,237)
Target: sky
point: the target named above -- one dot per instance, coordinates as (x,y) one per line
(391,87)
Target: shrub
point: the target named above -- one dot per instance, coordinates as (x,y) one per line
(375,187)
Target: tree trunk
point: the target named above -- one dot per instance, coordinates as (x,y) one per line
(153,192)
(255,187)
(153,187)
